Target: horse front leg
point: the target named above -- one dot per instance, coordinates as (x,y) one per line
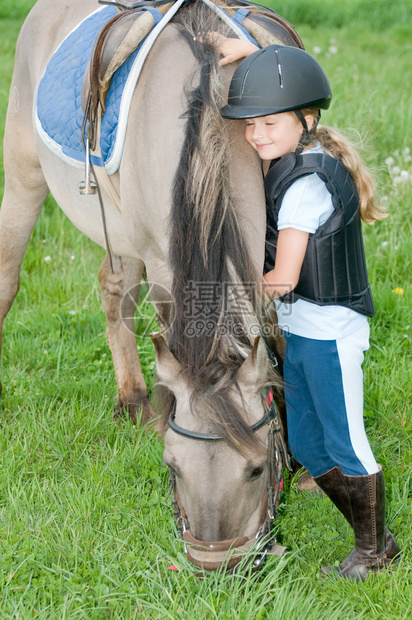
(24,193)
(120,291)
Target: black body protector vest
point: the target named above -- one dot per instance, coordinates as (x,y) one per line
(334,268)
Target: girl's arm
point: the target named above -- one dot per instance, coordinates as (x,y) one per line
(290,252)
(231,49)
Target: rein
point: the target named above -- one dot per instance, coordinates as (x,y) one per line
(211,555)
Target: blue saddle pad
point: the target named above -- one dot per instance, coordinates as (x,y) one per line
(59,113)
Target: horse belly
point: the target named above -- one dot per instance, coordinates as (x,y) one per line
(84,210)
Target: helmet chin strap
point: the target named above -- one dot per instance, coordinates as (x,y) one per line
(308,134)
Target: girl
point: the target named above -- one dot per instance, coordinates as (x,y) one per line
(317,191)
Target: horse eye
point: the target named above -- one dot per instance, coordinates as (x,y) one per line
(256,473)
(173,472)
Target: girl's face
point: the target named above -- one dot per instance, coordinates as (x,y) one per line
(275,135)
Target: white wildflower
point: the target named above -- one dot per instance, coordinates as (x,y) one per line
(396,170)
(406,150)
(72,312)
(389,161)
(317,49)
(47,259)
(384,198)
(403,177)
(333,49)
(72,257)
(384,244)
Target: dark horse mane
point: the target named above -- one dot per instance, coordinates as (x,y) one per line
(208,251)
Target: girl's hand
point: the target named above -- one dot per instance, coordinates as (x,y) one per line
(231,49)
(290,252)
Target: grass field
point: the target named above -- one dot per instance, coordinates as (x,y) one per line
(86,531)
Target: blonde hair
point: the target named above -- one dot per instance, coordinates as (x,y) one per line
(340,147)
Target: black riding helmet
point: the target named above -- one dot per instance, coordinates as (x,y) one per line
(277,79)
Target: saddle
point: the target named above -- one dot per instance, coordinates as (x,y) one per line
(124,32)
(115,42)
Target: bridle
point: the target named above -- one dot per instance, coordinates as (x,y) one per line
(212,555)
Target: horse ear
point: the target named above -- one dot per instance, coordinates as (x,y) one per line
(168,368)
(254,369)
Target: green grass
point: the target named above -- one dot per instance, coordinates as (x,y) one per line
(371,14)
(86,530)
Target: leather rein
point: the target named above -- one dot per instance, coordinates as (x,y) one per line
(212,555)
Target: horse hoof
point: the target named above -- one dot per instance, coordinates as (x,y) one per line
(307,483)
(139,413)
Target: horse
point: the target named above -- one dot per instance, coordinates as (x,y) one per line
(192,216)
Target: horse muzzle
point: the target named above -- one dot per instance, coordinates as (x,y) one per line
(227,554)
(210,556)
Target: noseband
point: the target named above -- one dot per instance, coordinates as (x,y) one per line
(211,555)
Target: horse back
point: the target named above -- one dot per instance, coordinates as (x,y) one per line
(46,26)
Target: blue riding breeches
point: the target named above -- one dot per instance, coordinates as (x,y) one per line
(324,402)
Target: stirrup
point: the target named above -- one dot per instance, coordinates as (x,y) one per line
(87,187)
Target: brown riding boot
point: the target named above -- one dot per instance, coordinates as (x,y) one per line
(361,500)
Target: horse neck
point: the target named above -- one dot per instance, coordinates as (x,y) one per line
(212,224)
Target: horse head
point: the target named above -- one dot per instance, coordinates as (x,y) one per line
(222,465)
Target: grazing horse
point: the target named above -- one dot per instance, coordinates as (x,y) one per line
(192,214)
